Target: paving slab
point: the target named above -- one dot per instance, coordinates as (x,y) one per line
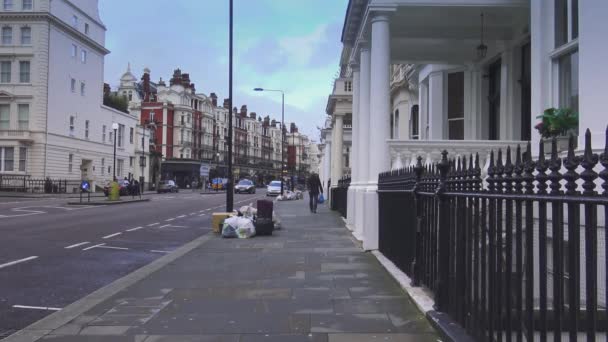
(308,282)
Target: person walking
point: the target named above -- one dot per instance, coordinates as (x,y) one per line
(314,188)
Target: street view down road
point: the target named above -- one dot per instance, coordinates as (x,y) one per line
(52,254)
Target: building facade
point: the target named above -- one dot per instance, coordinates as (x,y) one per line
(52,119)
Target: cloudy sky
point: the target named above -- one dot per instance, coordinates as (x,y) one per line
(292,45)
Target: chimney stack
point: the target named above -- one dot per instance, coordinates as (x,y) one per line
(293,128)
(146,84)
(243,111)
(213,99)
(226,104)
(253,115)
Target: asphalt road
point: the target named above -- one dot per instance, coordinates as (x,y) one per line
(52,254)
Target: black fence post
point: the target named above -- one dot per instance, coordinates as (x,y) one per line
(443,286)
(416,269)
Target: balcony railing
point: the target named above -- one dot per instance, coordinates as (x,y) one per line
(405,152)
(15,135)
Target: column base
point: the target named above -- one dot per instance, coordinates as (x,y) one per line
(350,207)
(359,213)
(370,227)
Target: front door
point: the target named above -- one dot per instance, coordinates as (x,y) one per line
(85,169)
(494,101)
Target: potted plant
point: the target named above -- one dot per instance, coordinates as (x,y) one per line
(558,123)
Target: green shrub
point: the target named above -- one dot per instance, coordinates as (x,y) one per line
(114,194)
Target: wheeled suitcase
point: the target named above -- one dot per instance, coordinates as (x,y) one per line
(263,226)
(265,209)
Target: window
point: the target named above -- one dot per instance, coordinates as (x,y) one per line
(131,161)
(103,165)
(111,137)
(103,133)
(86,28)
(24,116)
(83,56)
(131,134)
(73,85)
(415,135)
(7,155)
(5,72)
(27,5)
(74,50)
(24,71)
(348,86)
(26,35)
(566,21)
(130,95)
(109,169)
(70,161)
(456,106)
(188,118)
(152,116)
(22,158)
(5,116)
(182,120)
(121,134)
(86,129)
(8,5)
(74,21)
(7,35)
(72,119)
(120,166)
(568,81)
(82,88)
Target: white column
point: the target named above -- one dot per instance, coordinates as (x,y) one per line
(436,96)
(379,123)
(351,196)
(337,166)
(363,145)
(423,107)
(327,166)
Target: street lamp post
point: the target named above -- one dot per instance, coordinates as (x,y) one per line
(115,128)
(282,131)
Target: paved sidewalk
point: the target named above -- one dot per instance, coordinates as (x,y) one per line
(308,282)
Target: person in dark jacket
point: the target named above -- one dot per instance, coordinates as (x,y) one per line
(314,188)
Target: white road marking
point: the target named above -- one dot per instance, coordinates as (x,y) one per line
(169,220)
(36,307)
(156,251)
(18,261)
(112,247)
(111,235)
(177,226)
(192,214)
(200,211)
(201,215)
(76,245)
(154,224)
(181,216)
(91,247)
(163,226)
(134,229)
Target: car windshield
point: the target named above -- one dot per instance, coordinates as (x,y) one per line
(275,183)
(244,182)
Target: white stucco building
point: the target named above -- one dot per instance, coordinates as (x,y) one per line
(52,120)
(422,84)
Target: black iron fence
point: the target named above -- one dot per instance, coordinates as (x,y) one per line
(339,196)
(16,183)
(519,254)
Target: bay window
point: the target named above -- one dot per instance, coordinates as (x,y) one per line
(565,55)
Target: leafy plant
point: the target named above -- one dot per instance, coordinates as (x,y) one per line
(556,122)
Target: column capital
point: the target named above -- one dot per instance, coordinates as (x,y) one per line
(354,65)
(380,15)
(363,45)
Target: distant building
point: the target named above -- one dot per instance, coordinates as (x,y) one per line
(52,119)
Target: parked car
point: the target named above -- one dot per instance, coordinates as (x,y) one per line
(123,187)
(167,186)
(274,188)
(244,186)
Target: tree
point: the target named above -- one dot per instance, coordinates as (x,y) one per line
(117,102)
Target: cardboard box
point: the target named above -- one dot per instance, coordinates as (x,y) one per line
(216,221)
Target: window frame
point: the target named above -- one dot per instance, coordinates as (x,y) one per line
(23,124)
(73,84)
(7,122)
(70,162)
(131,134)
(22,160)
(25,77)
(26,29)
(7,76)
(86,129)
(6,39)
(87,28)
(74,51)
(7,5)
(82,88)
(31,5)
(75,21)
(83,56)
(72,124)
(104,128)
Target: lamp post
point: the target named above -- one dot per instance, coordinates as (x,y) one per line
(282,131)
(229,190)
(115,128)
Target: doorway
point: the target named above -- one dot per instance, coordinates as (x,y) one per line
(85,169)
(494,100)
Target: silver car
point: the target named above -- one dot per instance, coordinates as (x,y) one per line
(274,188)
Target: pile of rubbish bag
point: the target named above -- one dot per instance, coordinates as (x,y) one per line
(242,223)
(291,195)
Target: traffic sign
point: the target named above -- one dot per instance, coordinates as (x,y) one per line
(204,170)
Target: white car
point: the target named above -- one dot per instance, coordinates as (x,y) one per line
(274,188)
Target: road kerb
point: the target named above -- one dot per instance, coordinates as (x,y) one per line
(45,326)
